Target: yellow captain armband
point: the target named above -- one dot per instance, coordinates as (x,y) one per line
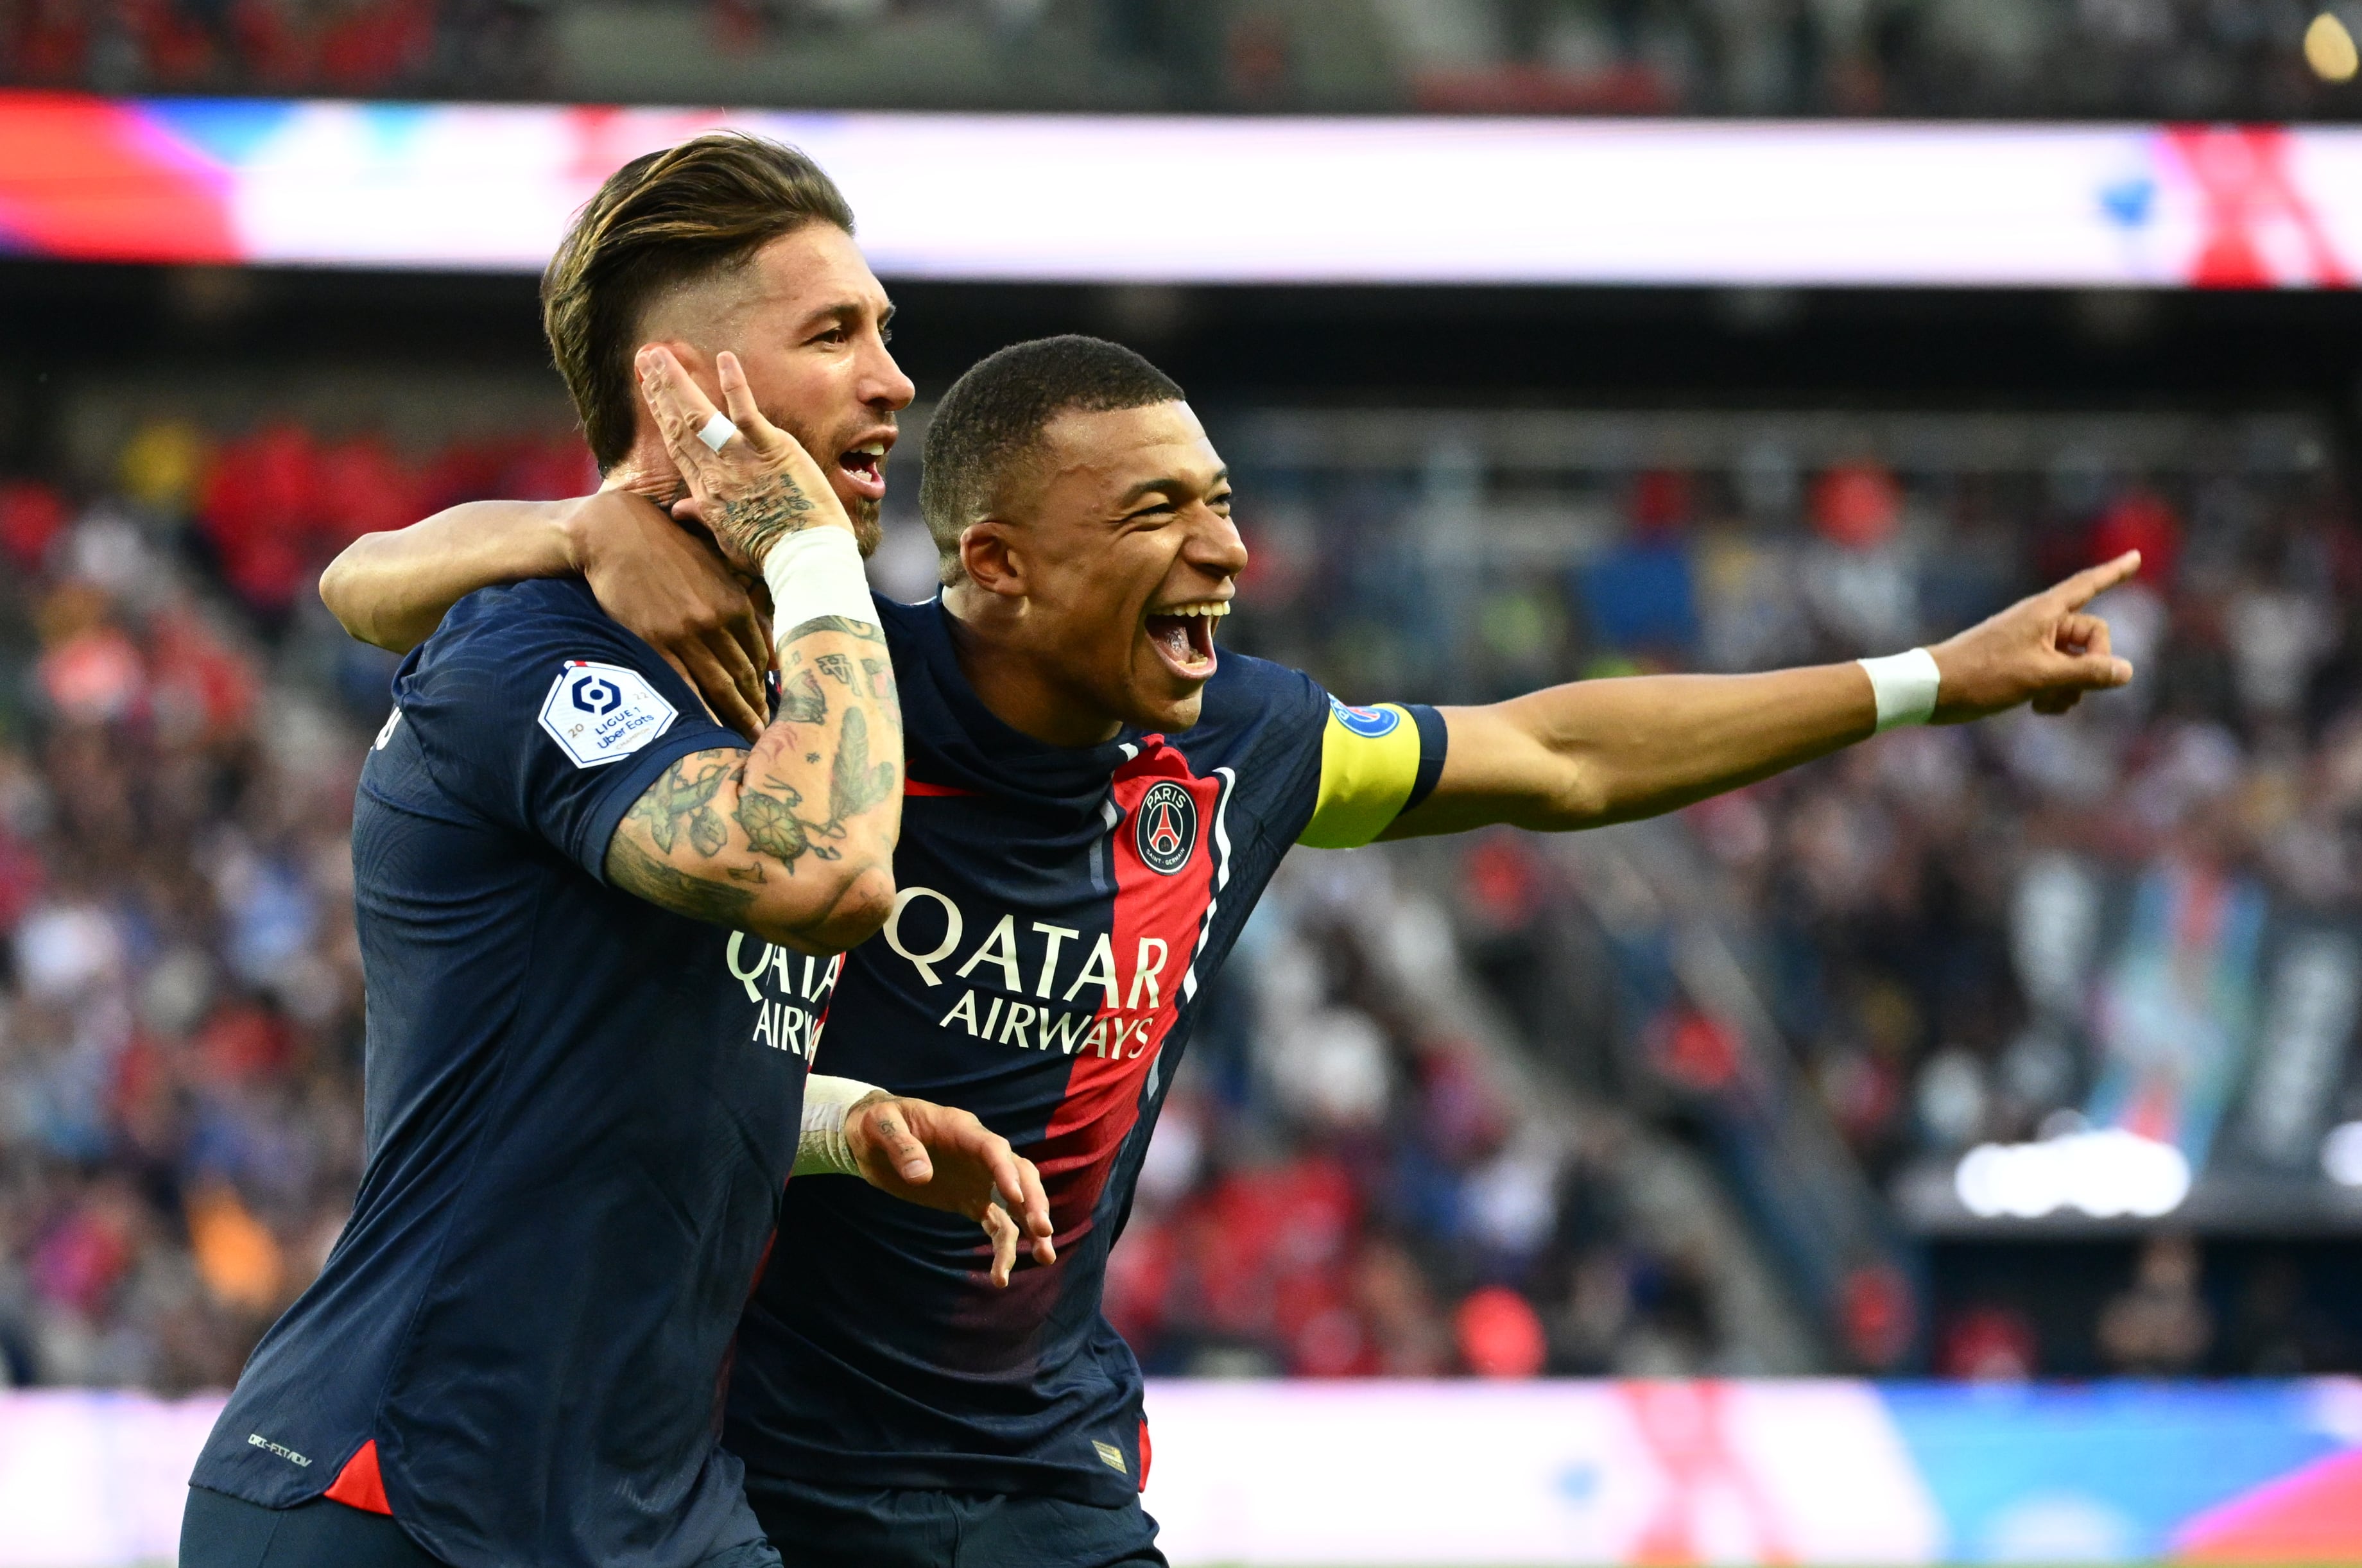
(1375,764)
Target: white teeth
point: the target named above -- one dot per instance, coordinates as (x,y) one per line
(1215,608)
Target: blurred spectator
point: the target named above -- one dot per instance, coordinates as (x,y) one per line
(1951,937)
(2158,1327)
(343,47)
(2107,58)
(180,1021)
(1988,1344)
(1389,1150)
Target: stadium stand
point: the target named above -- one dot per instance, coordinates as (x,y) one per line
(2174,59)
(1671,1098)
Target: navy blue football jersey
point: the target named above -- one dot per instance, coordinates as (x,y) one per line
(1058,914)
(580,1112)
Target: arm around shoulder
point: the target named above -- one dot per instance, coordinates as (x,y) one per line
(393,589)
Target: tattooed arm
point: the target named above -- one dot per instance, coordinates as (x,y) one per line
(794,840)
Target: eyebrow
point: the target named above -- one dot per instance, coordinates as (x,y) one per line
(1150,486)
(842,310)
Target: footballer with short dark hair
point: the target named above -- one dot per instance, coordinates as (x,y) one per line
(1096,798)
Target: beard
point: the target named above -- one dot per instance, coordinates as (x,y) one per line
(867,530)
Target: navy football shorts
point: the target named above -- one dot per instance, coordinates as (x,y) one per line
(222,1531)
(829,1527)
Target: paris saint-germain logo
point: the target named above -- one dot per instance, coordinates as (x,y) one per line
(1164,827)
(1370,723)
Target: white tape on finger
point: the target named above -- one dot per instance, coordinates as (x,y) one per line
(717,432)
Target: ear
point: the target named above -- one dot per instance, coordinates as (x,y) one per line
(695,360)
(988,554)
(648,450)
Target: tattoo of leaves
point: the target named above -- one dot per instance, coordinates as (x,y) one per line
(854,784)
(675,795)
(802,701)
(837,668)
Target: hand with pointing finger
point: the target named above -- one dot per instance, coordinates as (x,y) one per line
(939,1158)
(757,486)
(2047,650)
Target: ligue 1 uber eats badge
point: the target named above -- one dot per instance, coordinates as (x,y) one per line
(601,711)
(1164,828)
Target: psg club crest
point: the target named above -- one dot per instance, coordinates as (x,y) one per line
(1164,827)
(1370,723)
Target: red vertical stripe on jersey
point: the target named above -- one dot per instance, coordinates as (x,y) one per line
(358,1484)
(1144,1456)
(1103,1098)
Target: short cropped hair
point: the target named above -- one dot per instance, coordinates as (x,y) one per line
(993,417)
(662,220)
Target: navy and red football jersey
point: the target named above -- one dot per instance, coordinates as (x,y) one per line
(1059,913)
(581,1109)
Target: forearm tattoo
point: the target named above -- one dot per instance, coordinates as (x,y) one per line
(883,691)
(715,876)
(637,872)
(802,701)
(774,829)
(864,630)
(854,783)
(682,795)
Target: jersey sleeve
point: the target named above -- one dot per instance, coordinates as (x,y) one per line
(553,723)
(1375,764)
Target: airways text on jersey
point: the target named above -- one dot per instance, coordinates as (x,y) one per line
(1086,980)
(790,991)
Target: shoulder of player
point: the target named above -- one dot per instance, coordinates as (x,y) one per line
(1246,690)
(904,624)
(517,623)
(520,609)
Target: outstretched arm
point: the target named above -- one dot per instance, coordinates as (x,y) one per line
(1596,752)
(661,579)
(793,840)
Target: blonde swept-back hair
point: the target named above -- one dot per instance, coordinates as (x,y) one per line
(663,220)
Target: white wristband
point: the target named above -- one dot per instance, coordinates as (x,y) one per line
(823,1149)
(1905,685)
(816,573)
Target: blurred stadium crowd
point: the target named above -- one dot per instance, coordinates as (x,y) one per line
(2181,59)
(2142,916)
(1647,1101)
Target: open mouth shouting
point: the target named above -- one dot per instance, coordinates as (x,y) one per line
(863,466)
(1183,635)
